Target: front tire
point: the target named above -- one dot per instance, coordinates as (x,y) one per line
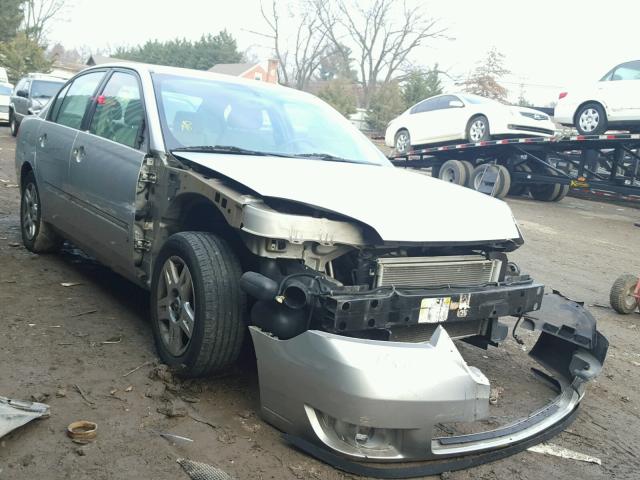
(197,306)
(591,119)
(478,129)
(37,235)
(13,124)
(402,142)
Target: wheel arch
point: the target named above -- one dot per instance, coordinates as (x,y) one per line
(25,168)
(196,212)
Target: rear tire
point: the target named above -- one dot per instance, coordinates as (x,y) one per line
(621,295)
(468,166)
(591,119)
(198,325)
(13,124)
(453,171)
(37,235)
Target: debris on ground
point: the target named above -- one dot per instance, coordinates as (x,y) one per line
(39,397)
(162,373)
(15,413)
(136,369)
(171,437)
(82,394)
(70,284)
(129,388)
(173,408)
(203,471)
(112,340)
(61,392)
(495,394)
(557,451)
(82,431)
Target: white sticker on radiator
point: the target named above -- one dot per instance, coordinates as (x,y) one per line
(434,310)
(464,304)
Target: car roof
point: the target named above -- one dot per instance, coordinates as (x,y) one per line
(202,74)
(44,76)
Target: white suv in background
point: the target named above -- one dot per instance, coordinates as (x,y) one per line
(611,103)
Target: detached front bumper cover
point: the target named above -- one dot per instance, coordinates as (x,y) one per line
(347,400)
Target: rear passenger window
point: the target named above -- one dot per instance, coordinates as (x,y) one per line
(119,114)
(77,99)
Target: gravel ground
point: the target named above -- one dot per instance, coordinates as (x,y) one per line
(58,341)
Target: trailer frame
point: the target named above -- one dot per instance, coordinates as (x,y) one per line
(604,165)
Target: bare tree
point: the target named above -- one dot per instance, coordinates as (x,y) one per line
(383,34)
(484,80)
(300,57)
(37,16)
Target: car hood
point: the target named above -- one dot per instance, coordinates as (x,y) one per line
(400,205)
(4,100)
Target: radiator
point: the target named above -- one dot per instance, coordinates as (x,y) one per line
(463,270)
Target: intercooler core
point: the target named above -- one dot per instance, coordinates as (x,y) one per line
(461,270)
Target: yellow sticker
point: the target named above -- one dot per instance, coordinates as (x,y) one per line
(434,310)
(186,126)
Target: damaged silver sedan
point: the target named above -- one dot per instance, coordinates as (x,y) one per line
(246,207)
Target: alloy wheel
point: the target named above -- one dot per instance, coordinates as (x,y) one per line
(30,210)
(476,131)
(589,120)
(176,305)
(402,142)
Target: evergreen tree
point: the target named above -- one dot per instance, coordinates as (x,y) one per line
(420,85)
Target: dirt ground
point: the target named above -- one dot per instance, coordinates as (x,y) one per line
(52,346)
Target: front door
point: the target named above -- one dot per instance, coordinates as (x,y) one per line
(104,169)
(621,91)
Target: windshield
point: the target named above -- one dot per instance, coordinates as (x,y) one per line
(197,112)
(5,90)
(42,89)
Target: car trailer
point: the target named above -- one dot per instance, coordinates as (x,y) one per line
(545,168)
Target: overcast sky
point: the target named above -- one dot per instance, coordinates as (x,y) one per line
(548,44)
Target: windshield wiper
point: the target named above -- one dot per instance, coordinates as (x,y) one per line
(224,149)
(323,156)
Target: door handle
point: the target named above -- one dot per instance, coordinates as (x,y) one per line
(78,153)
(42,140)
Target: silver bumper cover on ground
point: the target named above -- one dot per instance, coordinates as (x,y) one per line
(348,399)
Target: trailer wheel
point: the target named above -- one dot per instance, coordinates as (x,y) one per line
(591,119)
(453,171)
(491,179)
(435,170)
(621,296)
(517,188)
(468,166)
(505,183)
(564,190)
(545,192)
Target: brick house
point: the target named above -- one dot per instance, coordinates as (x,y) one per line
(262,71)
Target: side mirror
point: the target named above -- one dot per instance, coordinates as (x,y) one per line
(22,93)
(456,104)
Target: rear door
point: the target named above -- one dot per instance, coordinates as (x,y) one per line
(106,161)
(621,91)
(56,136)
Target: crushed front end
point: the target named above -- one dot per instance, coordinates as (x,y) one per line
(367,372)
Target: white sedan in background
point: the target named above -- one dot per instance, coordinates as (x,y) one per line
(611,103)
(5,97)
(466,117)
